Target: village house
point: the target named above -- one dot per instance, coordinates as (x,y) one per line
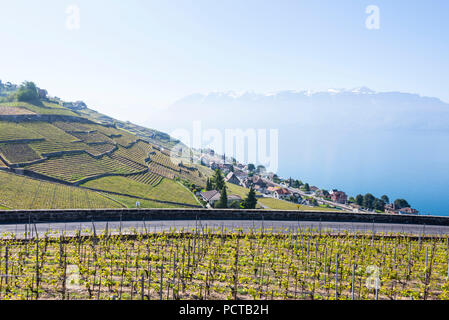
(339,196)
(225,167)
(256,182)
(213,196)
(322,193)
(282,193)
(407,211)
(205,161)
(314,189)
(268,175)
(214,166)
(390,208)
(232,178)
(306,202)
(240,166)
(272,189)
(241,175)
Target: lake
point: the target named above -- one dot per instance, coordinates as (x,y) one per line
(413,165)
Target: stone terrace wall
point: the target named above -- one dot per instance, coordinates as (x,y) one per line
(24,216)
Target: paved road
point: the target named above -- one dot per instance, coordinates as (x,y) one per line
(158,226)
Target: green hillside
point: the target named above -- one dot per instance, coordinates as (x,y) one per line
(167,190)
(52,151)
(19,192)
(75,151)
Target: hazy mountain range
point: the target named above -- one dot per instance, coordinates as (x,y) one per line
(359,108)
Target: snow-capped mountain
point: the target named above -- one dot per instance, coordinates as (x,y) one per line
(335,108)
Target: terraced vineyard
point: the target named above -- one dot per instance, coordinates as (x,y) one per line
(164,160)
(129,163)
(161,170)
(166,190)
(135,153)
(72,150)
(107,131)
(44,108)
(125,139)
(194,176)
(94,137)
(12,131)
(147,178)
(19,192)
(49,132)
(14,111)
(100,149)
(18,153)
(49,147)
(227,264)
(72,168)
(72,126)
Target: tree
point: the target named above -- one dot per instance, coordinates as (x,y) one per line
(385,199)
(368,201)
(218,180)
(234,204)
(250,200)
(251,167)
(209,186)
(401,203)
(223,202)
(276,179)
(359,200)
(261,169)
(379,204)
(306,187)
(296,184)
(27,92)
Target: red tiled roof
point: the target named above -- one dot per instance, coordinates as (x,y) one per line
(283,191)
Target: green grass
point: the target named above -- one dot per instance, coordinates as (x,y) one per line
(18,153)
(271,203)
(4,208)
(14,131)
(238,190)
(76,167)
(277,204)
(20,192)
(49,132)
(131,202)
(46,108)
(166,190)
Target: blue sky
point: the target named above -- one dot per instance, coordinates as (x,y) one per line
(130,58)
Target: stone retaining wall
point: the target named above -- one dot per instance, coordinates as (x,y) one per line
(24,216)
